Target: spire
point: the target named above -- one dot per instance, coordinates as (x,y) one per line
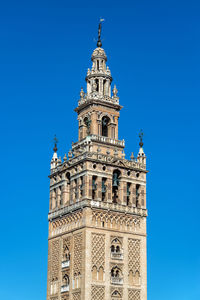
(55,149)
(141,134)
(99,43)
(54,160)
(141,155)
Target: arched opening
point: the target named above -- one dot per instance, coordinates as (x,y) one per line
(101,274)
(94,186)
(97,84)
(116,249)
(103,188)
(137,194)
(128,192)
(115,185)
(105,122)
(94,273)
(87,123)
(112,248)
(66,279)
(116,275)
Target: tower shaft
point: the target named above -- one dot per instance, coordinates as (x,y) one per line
(97,213)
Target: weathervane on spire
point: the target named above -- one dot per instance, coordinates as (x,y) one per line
(141,134)
(55,140)
(99,43)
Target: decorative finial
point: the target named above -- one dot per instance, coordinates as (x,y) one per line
(82,94)
(141,134)
(55,144)
(132,156)
(115,91)
(70,154)
(99,43)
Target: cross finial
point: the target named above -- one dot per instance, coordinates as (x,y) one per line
(141,134)
(99,43)
(55,140)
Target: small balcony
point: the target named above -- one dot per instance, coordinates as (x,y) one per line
(116,280)
(64,288)
(104,139)
(117,255)
(65,264)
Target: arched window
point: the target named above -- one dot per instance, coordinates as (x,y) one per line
(116,275)
(116,249)
(66,279)
(115,185)
(105,122)
(97,84)
(68,177)
(94,186)
(87,123)
(112,248)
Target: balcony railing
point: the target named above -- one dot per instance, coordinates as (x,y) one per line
(116,280)
(65,288)
(116,255)
(105,139)
(65,263)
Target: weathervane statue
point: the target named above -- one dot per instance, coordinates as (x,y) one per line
(99,43)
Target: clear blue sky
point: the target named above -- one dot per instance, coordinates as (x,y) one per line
(153,50)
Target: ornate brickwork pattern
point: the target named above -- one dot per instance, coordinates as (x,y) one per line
(66,243)
(97,292)
(134,255)
(78,247)
(68,220)
(55,263)
(98,250)
(77,295)
(116,221)
(133,294)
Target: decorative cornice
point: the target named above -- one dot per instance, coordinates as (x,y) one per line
(96,205)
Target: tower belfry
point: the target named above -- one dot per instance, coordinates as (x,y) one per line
(97,211)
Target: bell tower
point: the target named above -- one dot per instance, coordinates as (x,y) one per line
(97,211)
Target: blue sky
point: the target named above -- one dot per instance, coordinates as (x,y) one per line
(153,52)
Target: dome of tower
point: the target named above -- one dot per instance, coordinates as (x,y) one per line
(99,53)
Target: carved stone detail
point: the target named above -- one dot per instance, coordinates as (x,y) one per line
(134,255)
(68,222)
(77,295)
(78,248)
(55,263)
(98,250)
(115,220)
(133,294)
(97,292)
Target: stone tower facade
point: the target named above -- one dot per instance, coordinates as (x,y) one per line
(97,212)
